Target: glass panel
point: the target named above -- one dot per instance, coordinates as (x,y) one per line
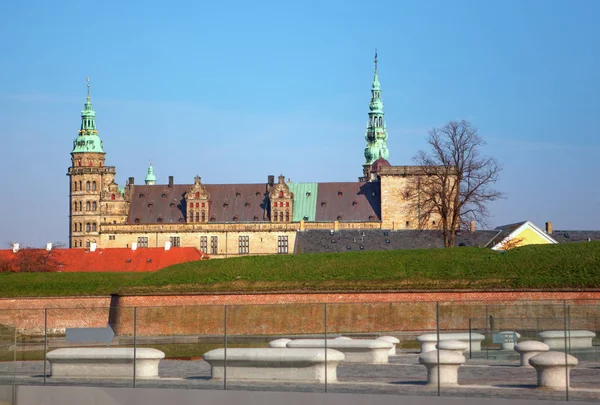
(255,326)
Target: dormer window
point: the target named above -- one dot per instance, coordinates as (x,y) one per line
(340,193)
(371,218)
(142,195)
(163,195)
(159,220)
(339,217)
(281,194)
(247,204)
(323,203)
(172,205)
(213,218)
(136,221)
(151,205)
(255,218)
(308,193)
(258,193)
(354,203)
(225,204)
(238,193)
(235,218)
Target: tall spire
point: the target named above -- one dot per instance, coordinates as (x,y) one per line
(376,134)
(87,139)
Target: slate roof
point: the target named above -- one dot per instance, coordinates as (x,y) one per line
(355,201)
(503,231)
(351,201)
(318,241)
(575,236)
(119,259)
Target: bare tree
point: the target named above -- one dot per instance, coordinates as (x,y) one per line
(456,180)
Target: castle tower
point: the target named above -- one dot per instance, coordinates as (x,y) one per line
(376,135)
(150,177)
(88,178)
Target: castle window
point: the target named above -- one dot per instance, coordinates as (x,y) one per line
(213,218)
(287,216)
(172,205)
(371,218)
(407,224)
(113,197)
(197,194)
(79,164)
(151,205)
(287,203)
(75,227)
(80,188)
(255,218)
(75,206)
(275,204)
(274,216)
(203,205)
(354,203)
(191,205)
(136,221)
(197,216)
(235,218)
(214,245)
(243,245)
(94,227)
(160,219)
(258,193)
(238,193)
(340,193)
(281,216)
(323,203)
(175,241)
(142,241)
(197,205)
(204,244)
(282,244)
(75,186)
(87,243)
(203,216)
(91,163)
(142,195)
(88,226)
(87,206)
(80,228)
(225,204)
(94,206)
(339,217)
(87,185)
(93,186)
(247,204)
(281,194)
(163,195)
(80,206)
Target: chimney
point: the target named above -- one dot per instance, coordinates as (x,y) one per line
(93,247)
(271,180)
(131,181)
(472,226)
(549,228)
(49,246)
(170,181)
(134,246)
(15,247)
(167,245)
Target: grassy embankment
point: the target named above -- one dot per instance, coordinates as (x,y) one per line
(565,266)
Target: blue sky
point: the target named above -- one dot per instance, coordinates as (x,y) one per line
(237,90)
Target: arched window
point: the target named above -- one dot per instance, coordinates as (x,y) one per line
(80,229)
(203,216)
(94,227)
(94,206)
(80,206)
(88,227)
(75,186)
(275,216)
(91,163)
(79,164)
(94,186)
(87,206)
(75,227)
(87,243)
(281,216)
(80,188)
(75,206)
(287,216)
(87,185)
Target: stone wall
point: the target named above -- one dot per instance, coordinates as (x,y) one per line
(274,314)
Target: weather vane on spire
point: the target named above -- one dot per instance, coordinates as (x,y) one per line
(375,56)
(87,80)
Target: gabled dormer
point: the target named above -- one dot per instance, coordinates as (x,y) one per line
(282,201)
(197,202)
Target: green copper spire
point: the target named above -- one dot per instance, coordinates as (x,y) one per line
(150,177)
(88,140)
(376,135)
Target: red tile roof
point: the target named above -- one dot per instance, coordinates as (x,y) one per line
(119,259)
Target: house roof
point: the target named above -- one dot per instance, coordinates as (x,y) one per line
(510,230)
(317,241)
(575,236)
(119,259)
(352,201)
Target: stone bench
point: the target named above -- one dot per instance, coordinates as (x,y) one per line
(279,342)
(455,346)
(551,368)
(392,340)
(577,339)
(528,349)
(429,340)
(449,362)
(355,351)
(281,364)
(104,362)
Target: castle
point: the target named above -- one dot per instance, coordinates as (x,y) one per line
(231,219)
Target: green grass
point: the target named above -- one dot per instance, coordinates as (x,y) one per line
(63,284)
(565,266)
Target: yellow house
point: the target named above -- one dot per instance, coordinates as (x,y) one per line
(519,234)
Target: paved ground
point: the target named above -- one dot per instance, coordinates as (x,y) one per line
(403,376)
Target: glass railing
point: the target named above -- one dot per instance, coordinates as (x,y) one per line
(375,348)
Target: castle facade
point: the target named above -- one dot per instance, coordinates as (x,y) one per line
(231,219)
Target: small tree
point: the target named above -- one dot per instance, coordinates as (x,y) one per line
(31,260)
(456,181)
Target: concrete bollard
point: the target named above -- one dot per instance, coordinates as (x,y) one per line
(528,349)
(455,346)
(448,364)
(550,367)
